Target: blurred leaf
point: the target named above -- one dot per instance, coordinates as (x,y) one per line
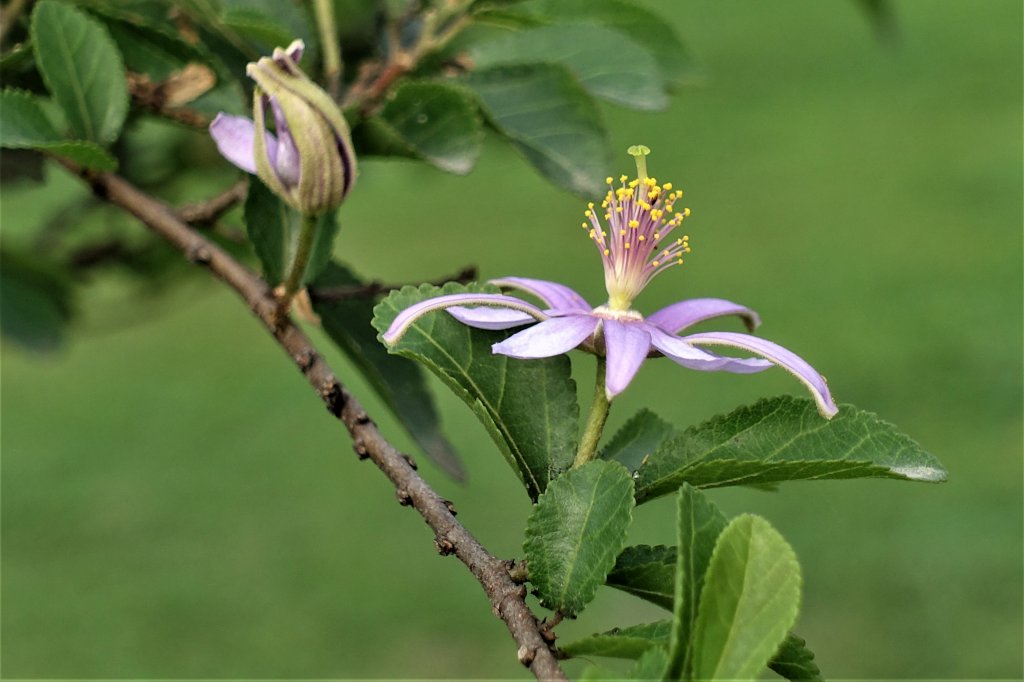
(574,533)
(399,382)
(700,524)
(608,64)
(784,439)
(882,17)
(646,572)
(291,18)
(258,28)
(529,408)
(82,69)
(637,438)
(35,303)
(646,28)
(750,600)
(550,119)
(270,224)
(24,123)
(794,661)
(429,120)
(628,642)
(650,666)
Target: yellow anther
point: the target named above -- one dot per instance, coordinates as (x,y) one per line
(652,194)
(622,233)
(588,213)
(644,205)
(655,263)
(667,186)
(606,252)
(679,216)
(608,180)
(640,237)
(604,204)
(590,204)
(629,193)
(669,207)
(623,178)
(686,212)
(627,245)
(607,216)
(618,209)
(585,225)
(633,183)
(592,233)
(657,236)
(680,261)
(634,223)
(686,237)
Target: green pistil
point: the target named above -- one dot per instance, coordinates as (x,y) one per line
(639,152)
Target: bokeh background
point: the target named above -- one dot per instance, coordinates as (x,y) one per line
(176,503)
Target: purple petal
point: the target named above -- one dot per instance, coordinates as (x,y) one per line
(689,356)
(626,346)
(553,336)
(782,357)
(491,318)
(234,136)
(407,317)
(674,318)
(555,295)
(286,158)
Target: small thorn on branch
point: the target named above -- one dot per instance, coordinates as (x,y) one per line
(360,449)
(445,547)
(526,655)
(451,507)
(410,461)
(404,498)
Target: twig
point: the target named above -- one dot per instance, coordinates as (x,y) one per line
(376,287)
(507,597)
(208,211)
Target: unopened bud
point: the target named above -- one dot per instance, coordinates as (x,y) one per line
(308,161)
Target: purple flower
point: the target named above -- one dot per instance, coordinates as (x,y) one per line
(640,242)
(312,169)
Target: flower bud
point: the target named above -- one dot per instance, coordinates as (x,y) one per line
(308,161)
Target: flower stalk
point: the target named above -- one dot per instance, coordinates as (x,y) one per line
(595,422)
(303,250)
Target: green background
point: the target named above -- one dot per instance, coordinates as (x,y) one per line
(176,502)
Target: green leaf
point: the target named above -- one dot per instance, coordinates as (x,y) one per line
(429,120)
(24,124)
(35,303)
(575,532)
(82,69)
(700,524)
(270,225)
(399,382)
(650,666)
(257,27)
(550,119)
(607,64)
(784,439)
(638,437)
(794,661)
(750,600)
(527,406)
(628,642)
(649,29)
(646,572)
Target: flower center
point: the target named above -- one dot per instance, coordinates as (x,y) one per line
(636,246)
(608,312)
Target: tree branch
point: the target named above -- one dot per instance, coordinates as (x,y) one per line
(506,596)
(208,211)
(376,287)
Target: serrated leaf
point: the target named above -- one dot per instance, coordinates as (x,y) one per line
(528,407)
(700,524)
(647,28)
(398,381)
(629,642)
(430,120)
(550,119)
(794,661)
(750,600)
(82,69)
(23,124)
(638,437)
(607,63)
(574,533)
(784,439)
(35,303)
(646,572)
(269,223)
